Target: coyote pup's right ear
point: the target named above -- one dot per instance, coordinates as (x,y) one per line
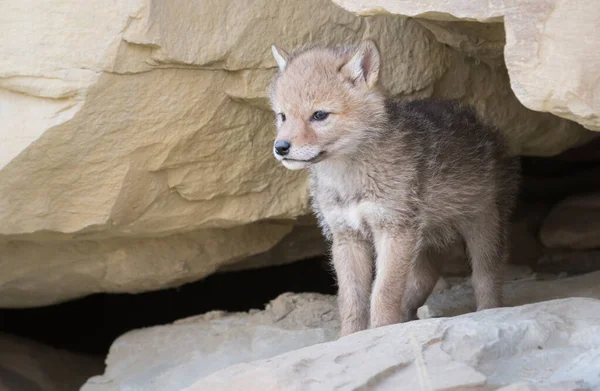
(280,56)
(364,64)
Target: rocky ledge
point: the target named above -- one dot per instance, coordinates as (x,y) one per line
(292,345)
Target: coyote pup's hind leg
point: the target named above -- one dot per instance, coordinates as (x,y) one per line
(421,281)
(487,245)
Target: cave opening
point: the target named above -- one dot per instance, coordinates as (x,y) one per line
(90,324)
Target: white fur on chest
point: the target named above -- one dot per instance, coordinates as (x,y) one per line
(359,216)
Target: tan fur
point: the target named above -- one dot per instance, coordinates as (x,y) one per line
(393,183)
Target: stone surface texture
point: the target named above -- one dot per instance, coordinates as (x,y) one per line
(554,344)
(135,135)
(549,346)
(30,366)
(552,48)
(196,347)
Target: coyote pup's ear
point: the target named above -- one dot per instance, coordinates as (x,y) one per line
(280,56)
(364,64)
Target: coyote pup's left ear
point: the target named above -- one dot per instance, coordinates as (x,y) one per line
(364,64)
(280,56)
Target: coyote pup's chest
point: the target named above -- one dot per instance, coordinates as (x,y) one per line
(349,200)
(360,216)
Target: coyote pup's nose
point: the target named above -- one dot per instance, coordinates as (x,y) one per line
(282,148)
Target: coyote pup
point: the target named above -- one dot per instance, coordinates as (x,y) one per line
(391,180)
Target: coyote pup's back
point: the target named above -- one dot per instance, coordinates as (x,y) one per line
(403,178)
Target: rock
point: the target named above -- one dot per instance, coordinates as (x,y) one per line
(521,287)
(197,348)
(552,343)
(305,241)
(30,366)
(575,262)
(44,272)
(562,386)
(136,135)
(552,48)
(573,223)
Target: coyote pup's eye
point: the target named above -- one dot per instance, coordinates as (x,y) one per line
(320,115)
(282,116)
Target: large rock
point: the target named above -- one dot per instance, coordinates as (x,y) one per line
(173,357)
(573,223)
(552,345)
(552,48)
(30,366)
(522,288)
(135,135)
(196,347)
(567,261)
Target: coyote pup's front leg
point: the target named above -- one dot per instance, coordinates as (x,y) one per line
(354,270)
(395,253)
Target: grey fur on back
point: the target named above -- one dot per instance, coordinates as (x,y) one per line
(434,162)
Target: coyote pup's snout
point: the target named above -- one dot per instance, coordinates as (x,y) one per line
(398,180)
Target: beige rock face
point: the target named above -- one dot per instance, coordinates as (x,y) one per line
(135,136)
(552,48)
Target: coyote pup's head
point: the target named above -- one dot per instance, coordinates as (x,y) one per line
(326,101)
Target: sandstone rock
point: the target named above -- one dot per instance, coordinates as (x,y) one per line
(198,347)
(44,272)
(30,366)
(304,241)
(573,223)
(135,135)
(553,343)
(552,48)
